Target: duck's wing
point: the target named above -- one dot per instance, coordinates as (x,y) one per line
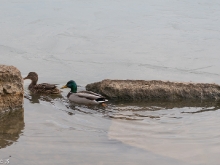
(89,95)
(90,92)
(45,86)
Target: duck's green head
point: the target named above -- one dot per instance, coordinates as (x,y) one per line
(72,85)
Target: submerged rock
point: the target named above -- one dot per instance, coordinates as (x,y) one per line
(154,90)
(11,88)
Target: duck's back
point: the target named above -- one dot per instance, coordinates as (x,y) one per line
(44,88)
(82,98)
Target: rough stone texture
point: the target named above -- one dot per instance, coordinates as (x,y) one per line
(155,90)
(11,88)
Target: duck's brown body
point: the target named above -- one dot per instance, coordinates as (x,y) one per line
(41,88)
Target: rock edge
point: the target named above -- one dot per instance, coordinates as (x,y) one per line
(11,88)
(154,90)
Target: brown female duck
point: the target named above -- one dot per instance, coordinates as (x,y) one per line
(40,88)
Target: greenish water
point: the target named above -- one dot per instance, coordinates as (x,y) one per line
(90,41)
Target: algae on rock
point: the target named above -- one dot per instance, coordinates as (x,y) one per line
(155,90)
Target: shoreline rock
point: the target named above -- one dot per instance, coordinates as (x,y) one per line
(11,88)
(154,90)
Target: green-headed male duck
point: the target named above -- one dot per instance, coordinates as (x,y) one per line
(83,97)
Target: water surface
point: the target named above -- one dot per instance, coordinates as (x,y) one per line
(93,40)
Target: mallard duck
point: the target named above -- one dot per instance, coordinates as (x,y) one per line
(83,97)
(40,88)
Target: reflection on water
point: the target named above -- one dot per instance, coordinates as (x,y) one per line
(143,126)
(90,41)
(11,126)
(137,110)
(62,103)
(35,98)
(186,131)
(156,110)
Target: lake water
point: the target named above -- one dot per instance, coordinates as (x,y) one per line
(89,41)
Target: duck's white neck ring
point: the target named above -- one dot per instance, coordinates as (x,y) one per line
(68,95)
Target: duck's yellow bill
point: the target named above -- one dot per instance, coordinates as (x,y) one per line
(64,87)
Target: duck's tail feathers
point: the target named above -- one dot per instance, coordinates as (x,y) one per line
(101,100)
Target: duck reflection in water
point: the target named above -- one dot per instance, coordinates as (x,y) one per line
(36,98)
(52,99)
